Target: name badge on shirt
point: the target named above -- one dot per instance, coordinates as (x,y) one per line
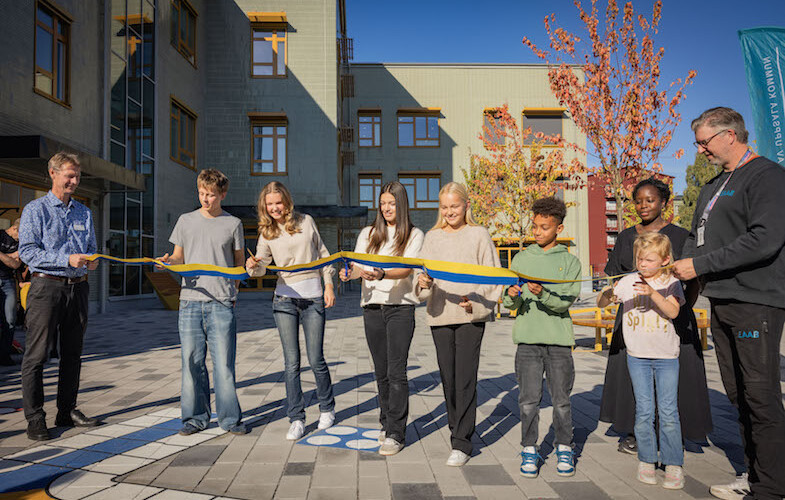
(79,227)
(700,233)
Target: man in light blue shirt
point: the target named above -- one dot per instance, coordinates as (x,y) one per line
(56,236)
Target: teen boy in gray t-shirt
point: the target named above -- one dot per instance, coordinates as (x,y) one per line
(208,236)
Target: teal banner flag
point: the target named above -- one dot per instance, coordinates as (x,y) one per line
(764,59)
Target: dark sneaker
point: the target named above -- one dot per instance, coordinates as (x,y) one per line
(189,429)
(37,431)
(75,418)
(238,429)
(629,445)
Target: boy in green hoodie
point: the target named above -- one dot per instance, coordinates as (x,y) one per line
(543,333)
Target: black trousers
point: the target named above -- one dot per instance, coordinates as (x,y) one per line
(389,330)
(458,354)
(51,305)
(747,339)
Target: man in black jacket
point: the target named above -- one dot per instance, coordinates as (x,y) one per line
(735,247)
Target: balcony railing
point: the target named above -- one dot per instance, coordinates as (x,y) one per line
(346,49)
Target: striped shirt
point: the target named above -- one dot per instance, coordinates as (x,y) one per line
(51,231)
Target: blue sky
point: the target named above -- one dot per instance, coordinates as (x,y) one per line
(697,34)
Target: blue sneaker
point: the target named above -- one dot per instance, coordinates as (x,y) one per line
(530,463)
(565,461)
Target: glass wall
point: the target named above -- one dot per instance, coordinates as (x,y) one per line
(132,145)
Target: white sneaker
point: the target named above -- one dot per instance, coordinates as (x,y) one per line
(390,447)
(732,491)
(647,473)
(674,477)
(381,438)
(457,458)
(326,419)
(296,430)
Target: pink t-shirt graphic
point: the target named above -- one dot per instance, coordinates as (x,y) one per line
(648,333)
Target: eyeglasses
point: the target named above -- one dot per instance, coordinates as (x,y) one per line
(705,142)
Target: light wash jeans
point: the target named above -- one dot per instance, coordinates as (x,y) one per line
(202,325)
(646,374)
(289,314)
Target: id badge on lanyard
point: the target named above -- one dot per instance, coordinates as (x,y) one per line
(700,233)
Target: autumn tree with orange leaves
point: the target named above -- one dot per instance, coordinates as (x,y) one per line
(518,168)
(616,100)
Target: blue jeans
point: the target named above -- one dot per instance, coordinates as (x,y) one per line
(8,311)
(646,374)
(289,314)
(202,325)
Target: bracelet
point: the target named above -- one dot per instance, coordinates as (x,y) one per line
(384,273)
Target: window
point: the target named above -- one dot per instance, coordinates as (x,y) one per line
(268,145)
(183,134)
(490,134)
(419,129)
(52,56)
(370,129)
(545,120)
(370,190)
(422,189)
(268,54)
(184,29)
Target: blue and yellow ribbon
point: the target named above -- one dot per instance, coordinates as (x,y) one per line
(448,271)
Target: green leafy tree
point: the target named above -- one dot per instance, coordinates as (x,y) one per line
(698,174)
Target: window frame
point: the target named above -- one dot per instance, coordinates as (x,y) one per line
(374,177)
(540,112)
(183,108)
(414,114)
(413,201)
(274,28)
(274,120)
(373,114)
(178,43)
(59,17)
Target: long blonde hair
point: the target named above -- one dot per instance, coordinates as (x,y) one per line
(463,194)
(268,227)
(657,243)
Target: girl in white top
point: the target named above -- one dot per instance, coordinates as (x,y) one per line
(290,238)
(650,301)
(457,312)
(388,302)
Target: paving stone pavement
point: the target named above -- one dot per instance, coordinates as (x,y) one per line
(131,379)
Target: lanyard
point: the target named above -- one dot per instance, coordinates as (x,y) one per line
(710,204)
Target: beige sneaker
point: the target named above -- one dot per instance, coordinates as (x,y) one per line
(381,437)
(390,447)
(674,477)
(646,473)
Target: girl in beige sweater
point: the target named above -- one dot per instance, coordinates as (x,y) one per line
(457,312)
(290,238)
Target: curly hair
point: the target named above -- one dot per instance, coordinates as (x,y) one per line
(268,227)
(550,207)
(661,187)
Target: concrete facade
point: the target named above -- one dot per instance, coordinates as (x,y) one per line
(218,87)
(461,92)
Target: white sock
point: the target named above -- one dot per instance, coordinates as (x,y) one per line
(564,447)
(529,449)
